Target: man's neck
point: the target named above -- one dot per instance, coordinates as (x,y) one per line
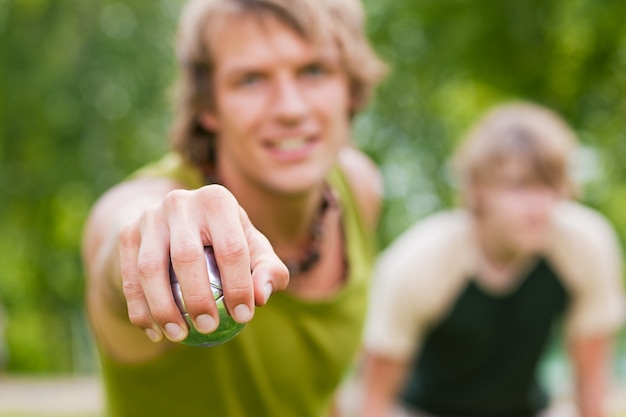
(286,219)
(499,264)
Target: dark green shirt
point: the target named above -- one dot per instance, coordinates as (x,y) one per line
(485,352)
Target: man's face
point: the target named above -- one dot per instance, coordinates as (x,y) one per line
(515,206)
(282,105)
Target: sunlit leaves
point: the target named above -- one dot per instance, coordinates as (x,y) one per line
(452,59)
(84,100)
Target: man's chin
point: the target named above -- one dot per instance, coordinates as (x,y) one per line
(532,245)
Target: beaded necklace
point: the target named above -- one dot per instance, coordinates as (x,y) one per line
(311,254)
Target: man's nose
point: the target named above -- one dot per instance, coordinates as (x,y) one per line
(542,199)
(289,103)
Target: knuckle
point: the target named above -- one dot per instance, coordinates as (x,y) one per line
(186,253)
(149,265)
(232,250)
(128,235)
(139,318)
(199,301)
(166,314)
(132,289)
(175,198)
(216,191)
(175,203)
(217,196)
(238,293)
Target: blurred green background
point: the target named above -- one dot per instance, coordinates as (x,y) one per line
(84,100)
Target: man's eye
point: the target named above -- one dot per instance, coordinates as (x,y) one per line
(249,79)
(314,70)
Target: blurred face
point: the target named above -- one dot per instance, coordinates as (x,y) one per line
(514,208)
(281,105)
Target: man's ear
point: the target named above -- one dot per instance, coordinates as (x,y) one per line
(209,121)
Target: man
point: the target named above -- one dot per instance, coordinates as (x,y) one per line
(464,302)
(263,171)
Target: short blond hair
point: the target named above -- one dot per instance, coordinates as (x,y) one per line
(536,134)
(341,21)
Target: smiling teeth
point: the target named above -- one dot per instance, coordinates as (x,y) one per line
(291,144)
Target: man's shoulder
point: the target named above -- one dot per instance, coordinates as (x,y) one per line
(365,182)
(573,220)
(586,254)
(436,231)
(435,245)
(582,243)
(427,265)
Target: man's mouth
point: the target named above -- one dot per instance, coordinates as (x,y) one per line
(290,144)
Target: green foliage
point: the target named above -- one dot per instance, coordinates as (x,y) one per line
(84,100)
(452,59)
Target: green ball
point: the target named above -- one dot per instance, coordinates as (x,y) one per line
(227,328)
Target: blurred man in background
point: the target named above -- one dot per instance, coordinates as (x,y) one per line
(464,302)
(263,171)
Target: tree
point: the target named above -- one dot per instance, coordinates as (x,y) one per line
(84,100)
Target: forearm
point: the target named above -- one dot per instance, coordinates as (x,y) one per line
(382,382)
(590,359)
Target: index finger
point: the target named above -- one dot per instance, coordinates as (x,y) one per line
(226,229)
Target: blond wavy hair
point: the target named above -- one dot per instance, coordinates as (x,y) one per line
(341,21)
(523,130)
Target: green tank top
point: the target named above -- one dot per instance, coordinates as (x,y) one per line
(288,361)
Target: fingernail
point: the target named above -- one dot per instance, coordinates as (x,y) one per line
(153,335)
(205,323)
(242,313)
(268,288)
(174,332)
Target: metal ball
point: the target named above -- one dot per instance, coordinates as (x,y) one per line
(227,328)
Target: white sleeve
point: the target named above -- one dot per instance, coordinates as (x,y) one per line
(394,320)
(587,251)
(412,286)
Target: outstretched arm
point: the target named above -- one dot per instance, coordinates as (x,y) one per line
(129,239)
